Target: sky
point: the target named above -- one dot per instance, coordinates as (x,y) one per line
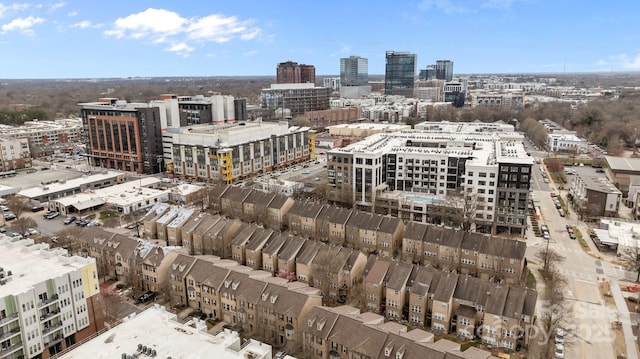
(139,38)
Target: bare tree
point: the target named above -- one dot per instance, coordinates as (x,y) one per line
(24,223)
(465,207)
(631,257)
(325,274)
(556,313)
(550,259)
(68,238)
(16,204)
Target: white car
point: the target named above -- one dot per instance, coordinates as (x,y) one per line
(559,352)
(31,232)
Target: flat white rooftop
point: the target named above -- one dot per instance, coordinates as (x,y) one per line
(157,329)
(31,264)
(67,185)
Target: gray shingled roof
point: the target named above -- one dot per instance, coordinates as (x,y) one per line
(400,276)
(415,231)
(389,224)
(446,287)
(259,238)
(497,299)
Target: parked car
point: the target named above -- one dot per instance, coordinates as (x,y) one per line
(31,232)
(52,215)
(546,236)
(9,216)
(32,170)
(146,297)
(37,208)
(69,220)
(4,208)
(132,226)
(559,352)
(572,235)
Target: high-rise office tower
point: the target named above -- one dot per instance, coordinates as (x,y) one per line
(444,70)
(428,74)
(293,73)
(354,71)
(400,71)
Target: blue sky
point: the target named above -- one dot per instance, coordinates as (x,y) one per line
(80,39)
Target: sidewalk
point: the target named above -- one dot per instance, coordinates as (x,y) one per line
(625,319)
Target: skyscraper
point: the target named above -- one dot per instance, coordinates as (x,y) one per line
(293,73)
(354,71)
(444,70)
(400,71)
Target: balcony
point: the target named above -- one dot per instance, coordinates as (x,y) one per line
(6,351)
(45,302)
(53,341)
(48,328)
(49,315)
(6,334)
(8,318)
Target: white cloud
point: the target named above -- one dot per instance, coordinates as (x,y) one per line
(251,53)
(151,22)
(72,14)
(4,9)
(23,25)
(164,26)
(58,5)
(629,62)
(343,50)
(181,49)
(85,24)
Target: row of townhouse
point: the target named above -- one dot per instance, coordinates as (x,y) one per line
(124,258)
(438,300)
(446,302)
(481,255)
(256,303)
(345,332)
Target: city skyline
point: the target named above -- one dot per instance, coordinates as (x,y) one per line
(74,39)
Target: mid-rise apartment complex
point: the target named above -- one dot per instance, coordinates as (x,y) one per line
(47,299)
(296,97)
(459,162)
(231,151)
(293,73)
(46,137)
(123,136)
(400,71)
(15,154)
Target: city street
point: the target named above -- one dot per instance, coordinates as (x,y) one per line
(591,318)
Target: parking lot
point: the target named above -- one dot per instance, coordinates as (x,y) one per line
(57,171)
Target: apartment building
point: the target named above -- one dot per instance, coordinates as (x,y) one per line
(229,152)
(47,137)
(298,98)
(460,165)
(290,72)
(123,136)
(594,196)
(145,334)
(45,311)
(14,154)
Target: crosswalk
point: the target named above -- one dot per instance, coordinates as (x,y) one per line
(584,275)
